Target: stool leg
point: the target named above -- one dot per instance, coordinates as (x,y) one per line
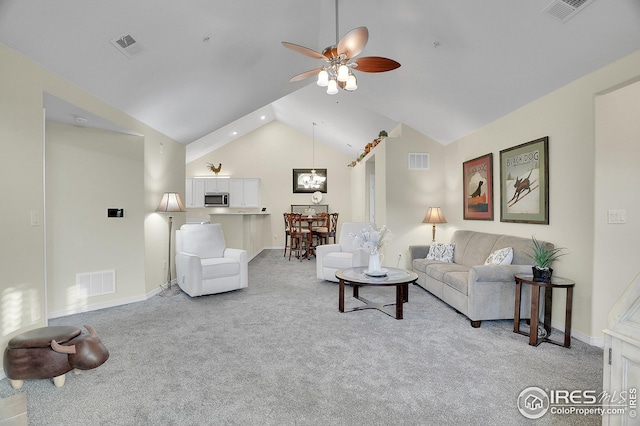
(17,384)
(59,380)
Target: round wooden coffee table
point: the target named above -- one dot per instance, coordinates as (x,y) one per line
(357,277)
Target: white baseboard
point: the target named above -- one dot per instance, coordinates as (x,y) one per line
(102,305)
(589,340)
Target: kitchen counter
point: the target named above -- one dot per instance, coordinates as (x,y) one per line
(249,231)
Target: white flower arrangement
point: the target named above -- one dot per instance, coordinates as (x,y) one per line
(372,239)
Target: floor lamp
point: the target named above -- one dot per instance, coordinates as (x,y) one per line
(434,215)
(170,203)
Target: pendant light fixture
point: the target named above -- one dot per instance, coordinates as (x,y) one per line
(314,180)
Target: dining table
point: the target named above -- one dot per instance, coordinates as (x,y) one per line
(311,220)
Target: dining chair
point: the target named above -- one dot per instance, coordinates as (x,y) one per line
(320,226)
(286,232)
(299,235)
(328,229)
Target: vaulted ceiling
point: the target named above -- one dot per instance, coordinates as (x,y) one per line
(211,71)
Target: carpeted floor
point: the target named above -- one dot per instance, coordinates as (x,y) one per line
(280,353)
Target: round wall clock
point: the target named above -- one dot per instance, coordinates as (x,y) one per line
(316,197)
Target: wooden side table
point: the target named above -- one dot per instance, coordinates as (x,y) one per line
(556,282)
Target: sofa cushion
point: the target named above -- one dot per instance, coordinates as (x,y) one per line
(437,270)
(338,260)
(441,252)
(203,240)
(502,256)
(458,280)
(216,267)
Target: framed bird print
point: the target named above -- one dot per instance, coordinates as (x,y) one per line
(477,181)
(524,183)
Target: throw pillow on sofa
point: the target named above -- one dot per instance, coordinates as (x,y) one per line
(441,252)
(500,257)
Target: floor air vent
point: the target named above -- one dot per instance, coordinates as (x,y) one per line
(563,10)
(128,45)
(96,283)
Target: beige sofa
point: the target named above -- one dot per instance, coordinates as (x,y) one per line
(481,292)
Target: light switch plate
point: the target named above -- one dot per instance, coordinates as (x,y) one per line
(35,218)
(617,216)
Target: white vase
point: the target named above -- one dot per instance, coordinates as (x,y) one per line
(374,263)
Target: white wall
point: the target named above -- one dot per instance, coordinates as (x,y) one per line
(403,196)
(567,116)
(271,153)
(617,175)
(586,179)
(22,301)
(89,171)
(22,284)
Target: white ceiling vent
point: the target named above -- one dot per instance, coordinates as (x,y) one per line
(418,161)
(563,10)
(128,45)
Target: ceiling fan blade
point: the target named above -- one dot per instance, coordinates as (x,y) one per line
(305,74)
(375,64)
(303,50)
(353,42)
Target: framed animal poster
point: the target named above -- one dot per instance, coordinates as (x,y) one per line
(524,183)
(477,178)
(305,180)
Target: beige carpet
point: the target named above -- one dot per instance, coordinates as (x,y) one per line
(280,353)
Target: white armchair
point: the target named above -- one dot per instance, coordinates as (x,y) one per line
(345,254)
(204,265)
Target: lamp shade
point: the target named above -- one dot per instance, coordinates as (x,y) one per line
(351,83)
(323,78)
(171,202)
(343,73)
(332,87)
(434,215)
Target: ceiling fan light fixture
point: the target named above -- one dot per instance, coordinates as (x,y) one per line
(339,60)
(343,73)
(352,83)
(332,88)
(323,78)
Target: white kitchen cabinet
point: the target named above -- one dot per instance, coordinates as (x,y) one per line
(194,190)
(216,184)
(244,193)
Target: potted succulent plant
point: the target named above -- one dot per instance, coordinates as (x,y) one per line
(543,256)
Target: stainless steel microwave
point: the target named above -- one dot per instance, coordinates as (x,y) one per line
(216,199)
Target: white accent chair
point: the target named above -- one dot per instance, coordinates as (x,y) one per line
(345,254)
(204,265)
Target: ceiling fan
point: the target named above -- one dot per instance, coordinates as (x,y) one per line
(341,62)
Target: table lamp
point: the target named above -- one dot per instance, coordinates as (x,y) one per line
(434,215)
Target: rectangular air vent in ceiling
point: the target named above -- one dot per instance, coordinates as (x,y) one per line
(128,45)
(563,10)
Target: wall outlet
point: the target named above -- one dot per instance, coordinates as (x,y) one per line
(164,265)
